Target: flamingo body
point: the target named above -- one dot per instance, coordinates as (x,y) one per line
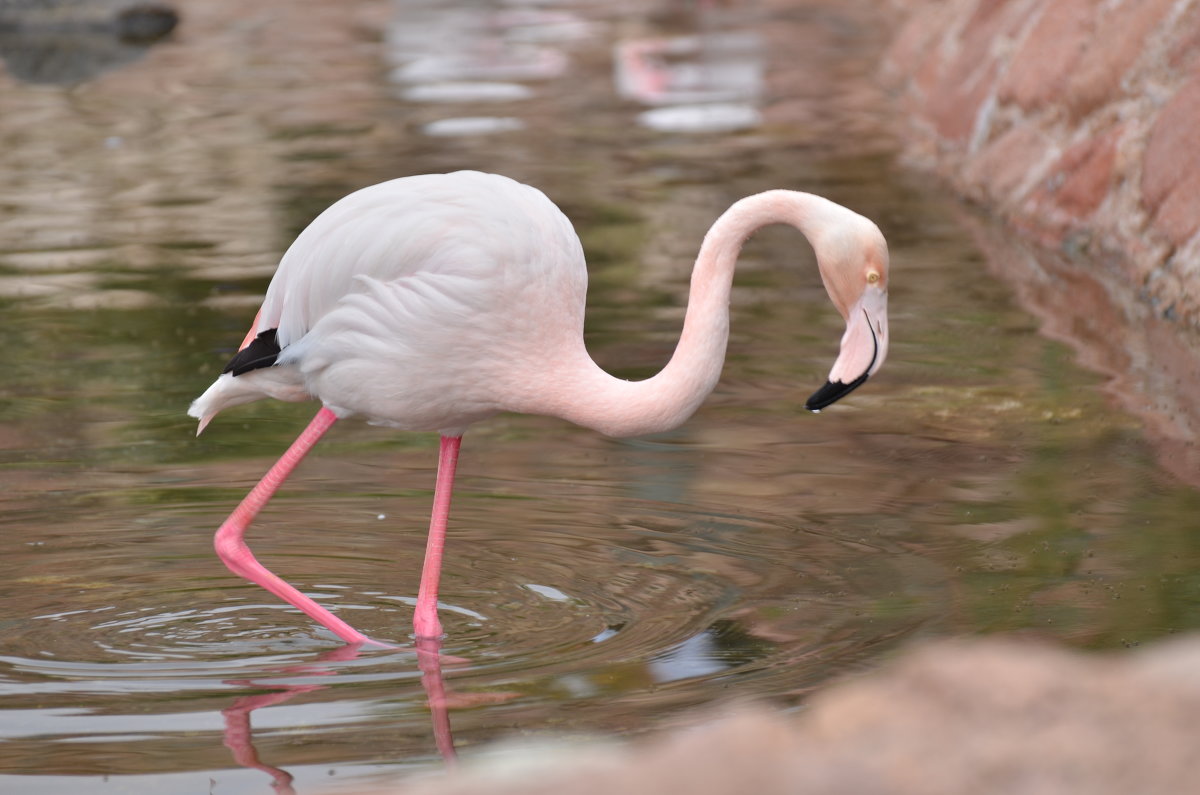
(417,302)
(433,302)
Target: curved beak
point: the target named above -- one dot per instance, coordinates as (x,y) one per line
(864,347)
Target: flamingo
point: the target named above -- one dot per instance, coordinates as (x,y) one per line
(432,302)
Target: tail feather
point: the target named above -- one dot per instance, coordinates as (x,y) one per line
(280,382)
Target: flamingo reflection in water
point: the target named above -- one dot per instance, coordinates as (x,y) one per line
(238,733)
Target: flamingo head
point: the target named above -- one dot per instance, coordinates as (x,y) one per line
(853,259)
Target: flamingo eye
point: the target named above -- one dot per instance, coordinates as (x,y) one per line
(872,277)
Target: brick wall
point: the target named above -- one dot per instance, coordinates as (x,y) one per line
(1077,120)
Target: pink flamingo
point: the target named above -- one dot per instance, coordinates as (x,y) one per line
(432,302)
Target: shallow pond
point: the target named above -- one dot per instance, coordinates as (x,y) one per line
(982,483)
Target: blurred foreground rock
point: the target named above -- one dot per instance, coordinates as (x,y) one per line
(978,716)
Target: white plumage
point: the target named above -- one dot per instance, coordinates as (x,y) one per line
(404,289)
(432,302)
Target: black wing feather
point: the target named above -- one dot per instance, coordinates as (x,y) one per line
(261,352)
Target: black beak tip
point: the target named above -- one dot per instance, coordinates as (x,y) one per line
(832,392)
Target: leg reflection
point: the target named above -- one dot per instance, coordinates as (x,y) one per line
(429,658)
(238,733)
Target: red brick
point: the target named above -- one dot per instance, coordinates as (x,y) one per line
(1037,73)
(954,106)
(1073,189)
(910,47)
(1178,217)
(1118,40)
(1007,162)
(1171,166)
(1184,53)
(993,20)
(1086,172)
(966,82)
(928,72)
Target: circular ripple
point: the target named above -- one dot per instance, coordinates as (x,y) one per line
(542,601)
(577,609)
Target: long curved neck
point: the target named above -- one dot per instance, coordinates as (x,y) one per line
(588,396)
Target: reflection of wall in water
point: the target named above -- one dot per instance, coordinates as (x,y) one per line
(70,41)
(198,164)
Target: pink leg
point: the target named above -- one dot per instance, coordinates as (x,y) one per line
(232,548)
(425,619)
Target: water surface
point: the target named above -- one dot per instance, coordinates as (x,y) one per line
(984,482)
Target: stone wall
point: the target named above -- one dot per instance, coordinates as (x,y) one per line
(1076,120)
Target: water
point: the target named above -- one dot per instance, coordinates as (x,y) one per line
(984,482)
